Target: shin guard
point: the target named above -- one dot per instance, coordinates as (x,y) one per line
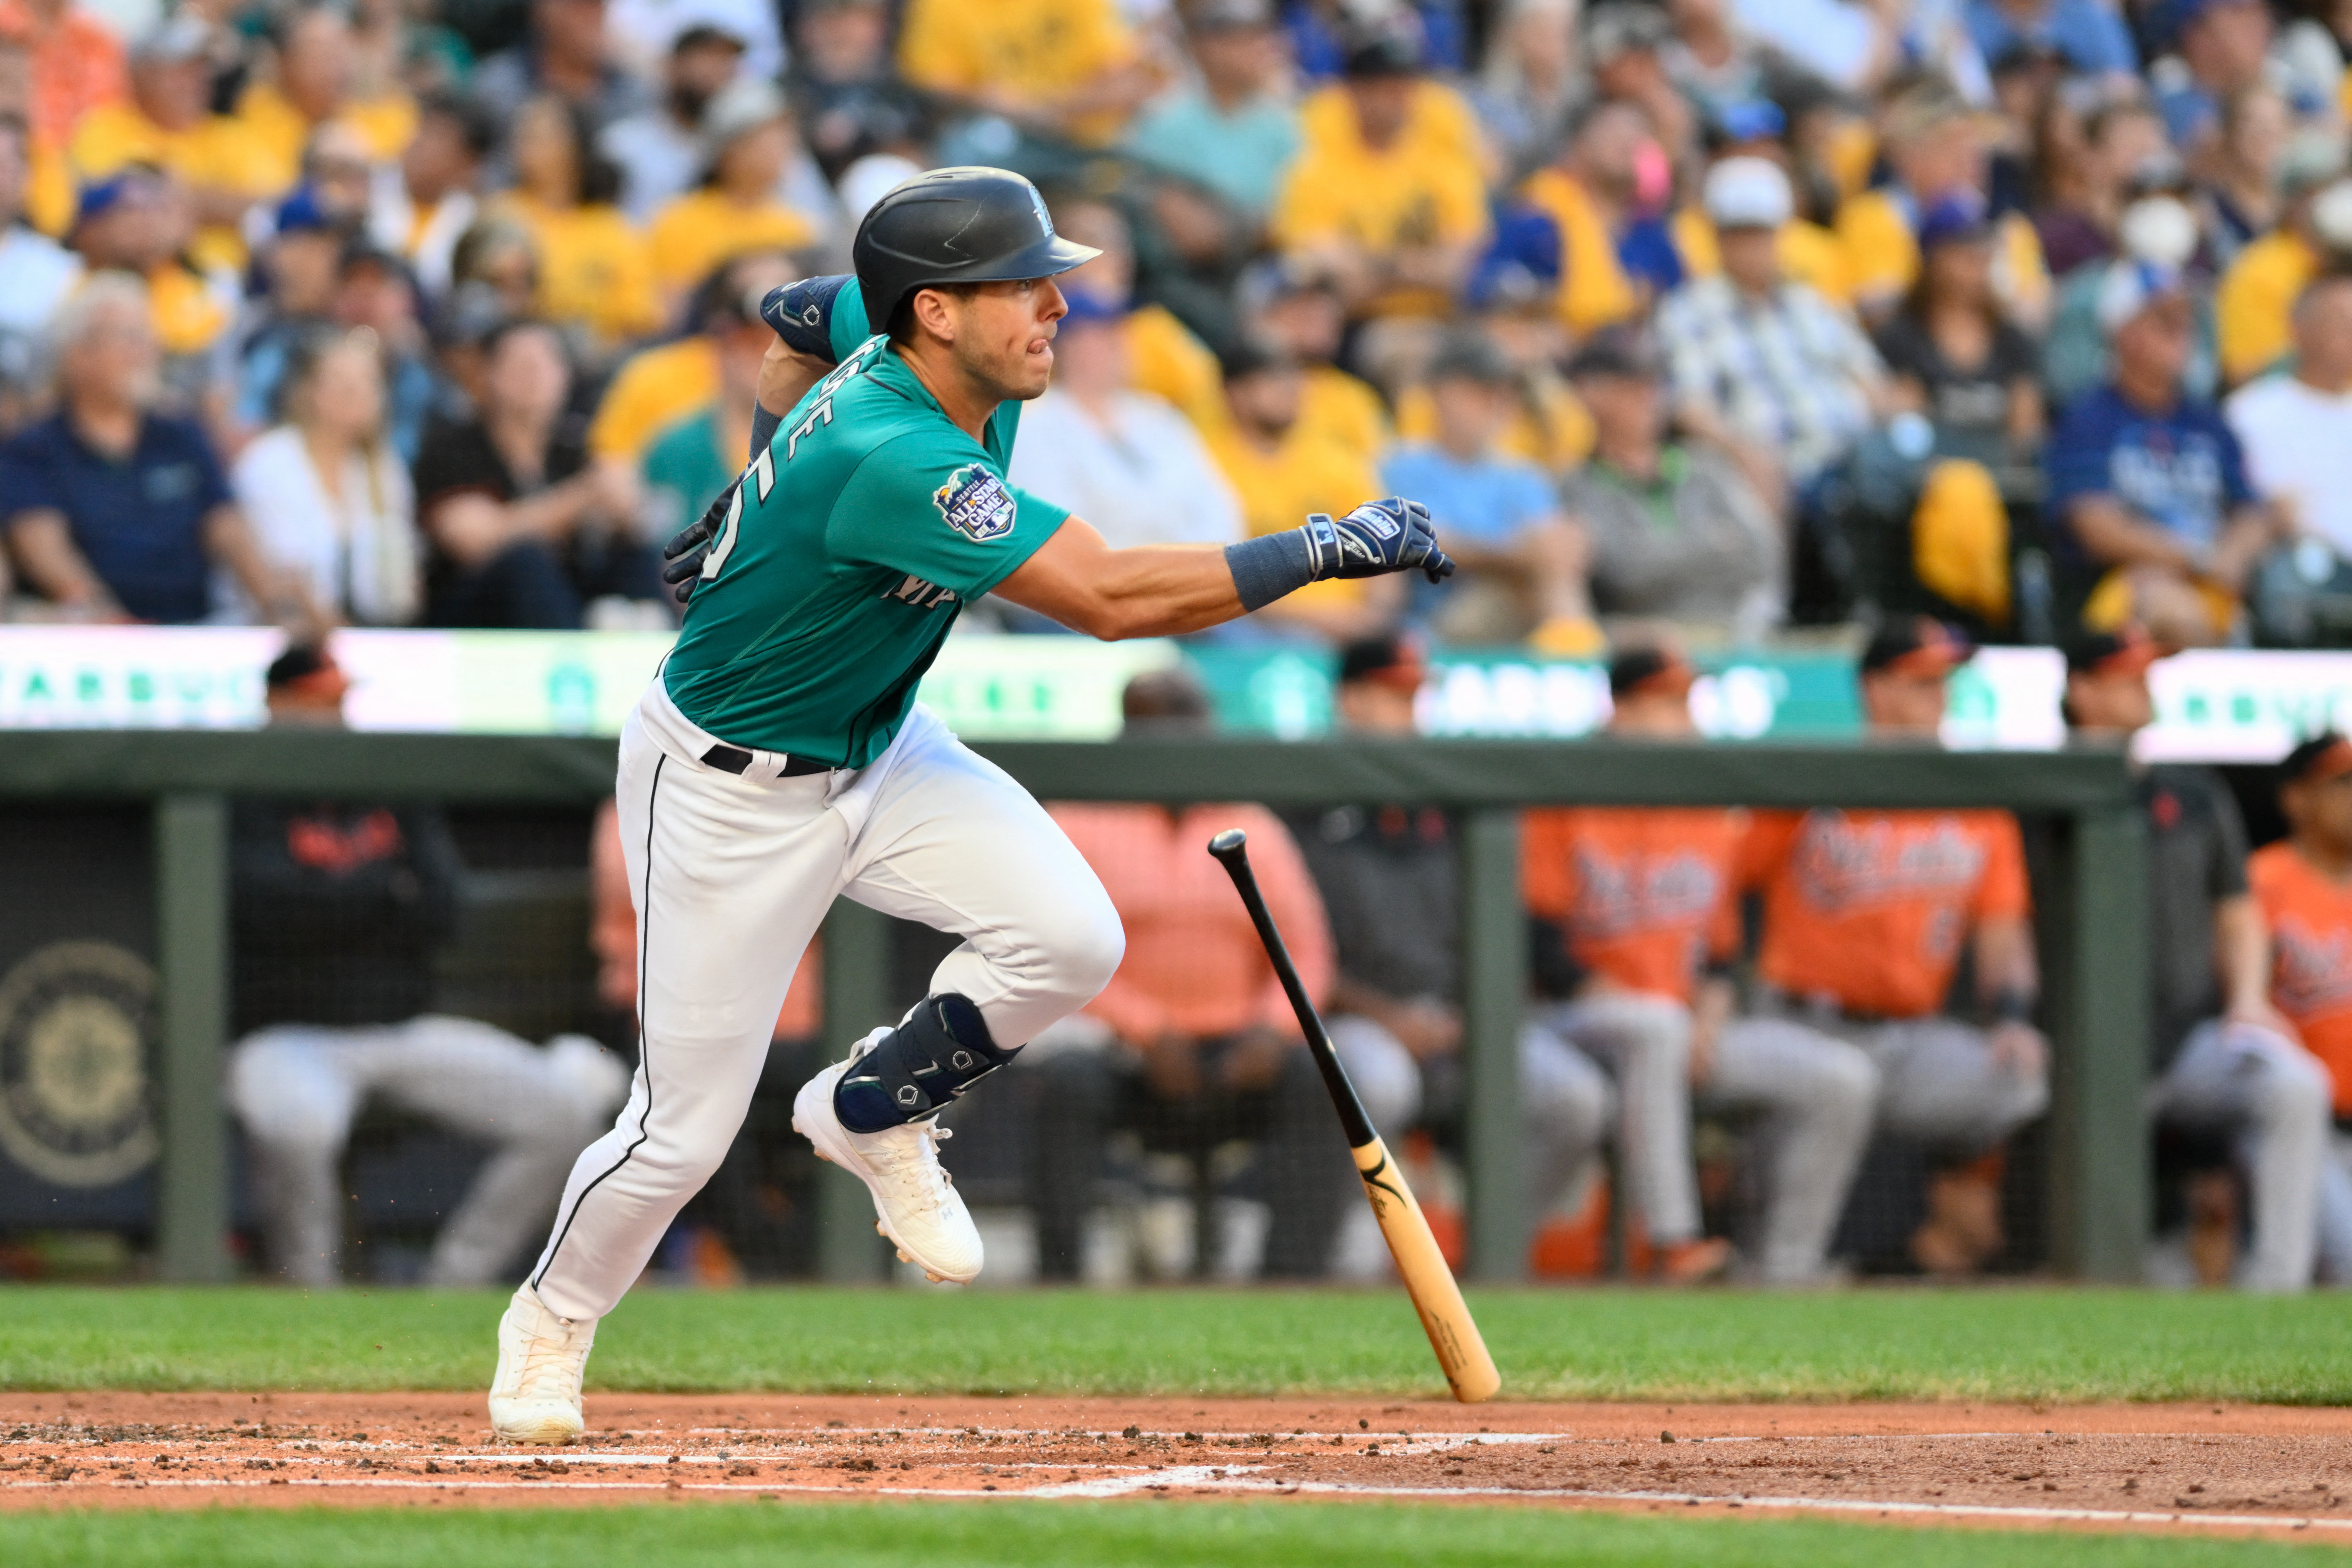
(942,1049)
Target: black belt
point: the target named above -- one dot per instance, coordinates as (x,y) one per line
(729,759)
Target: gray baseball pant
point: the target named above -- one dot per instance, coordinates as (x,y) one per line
(2272,1098)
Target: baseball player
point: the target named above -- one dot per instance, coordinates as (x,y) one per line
(777,759)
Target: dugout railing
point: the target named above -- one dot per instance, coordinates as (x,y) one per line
(2092,921)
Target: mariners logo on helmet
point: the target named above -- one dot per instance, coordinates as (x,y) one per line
(975,503)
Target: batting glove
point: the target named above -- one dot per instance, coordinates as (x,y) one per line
(1377,538)
(690,544)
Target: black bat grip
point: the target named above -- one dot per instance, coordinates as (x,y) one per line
(1231,849)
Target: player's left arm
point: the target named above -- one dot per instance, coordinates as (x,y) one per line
(1166,590)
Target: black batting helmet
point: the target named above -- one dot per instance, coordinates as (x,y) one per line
(956,225)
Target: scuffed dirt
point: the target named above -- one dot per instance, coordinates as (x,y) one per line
(2200,1468)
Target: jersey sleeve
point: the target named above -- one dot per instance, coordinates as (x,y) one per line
(2001,892)
(918,506)
(1547,866)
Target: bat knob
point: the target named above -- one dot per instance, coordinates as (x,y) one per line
(1229,845)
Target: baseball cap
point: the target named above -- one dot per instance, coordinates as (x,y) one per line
(1615,352)
(1251,354)
(2126,651)
(1920,646)
(2309,160)
(740,106)
(1228,16)
(1470,356)
(127,188)
(302,213)
(1391,46)
(2331,215)
(1613,31)
(181,38)
(2326,756)
(1392,659)
(2131,287)
(1087,306)
(1747,193)
(1650,672)
(1751,120)
(1957,218)
(310,666)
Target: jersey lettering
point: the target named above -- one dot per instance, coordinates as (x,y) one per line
(821,414)
(727,531)
(924,596)
(764,467)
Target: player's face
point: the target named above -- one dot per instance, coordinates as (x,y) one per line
(1004,335)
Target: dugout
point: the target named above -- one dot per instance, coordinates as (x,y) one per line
(167,795)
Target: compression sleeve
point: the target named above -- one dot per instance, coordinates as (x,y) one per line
(1267,567)
(764,426)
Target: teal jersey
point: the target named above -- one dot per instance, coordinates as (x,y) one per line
(853,542)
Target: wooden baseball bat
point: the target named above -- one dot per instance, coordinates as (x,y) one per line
(1445,1316)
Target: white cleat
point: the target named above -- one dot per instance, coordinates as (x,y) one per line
(535,1397)
(915,1200)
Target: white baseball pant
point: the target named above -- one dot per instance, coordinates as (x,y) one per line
(297,1088)
(730,875)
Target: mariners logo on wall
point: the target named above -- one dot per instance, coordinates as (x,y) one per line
(976,504)
(77,1106)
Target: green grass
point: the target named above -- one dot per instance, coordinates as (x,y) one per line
(2008,1344)
(1146,1535)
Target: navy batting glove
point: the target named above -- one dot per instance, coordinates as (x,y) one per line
(1376,539)
(690,544)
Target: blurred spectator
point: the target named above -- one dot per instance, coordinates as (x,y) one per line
(140,224)
(2304,888)
(1529,84)
(595,271)
(1937,146)
(657,387)
(117,512)
(1389,877)
(313,87)
(2221,1058)
(2257,295)
(338,912)
(1612,257)
(1301,315)
(1715,60)
(850,100)
(375,292)
(1522,563)
(2242,188)
(77,60)
(328,497)
(693,458)
(1952,353)
(2295,426)
(1321,32)
(2223,46)
(1120,458)
(2091,38)
(661,150)
(420,215)
(747,142)
(1636,921)
(1064,67)
(1233,130)
(524,530)
(37,276)
(1864,917)
(2086,188)
(1203,1047)
(1388,198)
(167,123)
(2148,484)
(1677,534)
(565,54)
(1764,368)
(1281,471)
(1624,43)
(1166,359)
(301,262)
(49,195)
(1810,254)
(642,32)
(495,266)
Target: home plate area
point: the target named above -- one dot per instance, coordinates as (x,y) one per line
(2201,1468)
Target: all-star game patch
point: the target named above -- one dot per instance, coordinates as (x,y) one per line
(975,503)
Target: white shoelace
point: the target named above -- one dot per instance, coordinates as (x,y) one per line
(545,1359)
(911,1164)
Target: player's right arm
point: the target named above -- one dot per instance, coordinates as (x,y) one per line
(1166,590)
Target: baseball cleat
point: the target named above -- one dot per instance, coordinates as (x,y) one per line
(915,1204)
(535,1396)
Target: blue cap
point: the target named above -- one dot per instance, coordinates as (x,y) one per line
(1956,220)
(1085,306)
(1752,120)
(96,200)
(301,214)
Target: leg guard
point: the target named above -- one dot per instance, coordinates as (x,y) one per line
(942,1049)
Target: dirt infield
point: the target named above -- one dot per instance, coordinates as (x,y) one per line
(2202,1468)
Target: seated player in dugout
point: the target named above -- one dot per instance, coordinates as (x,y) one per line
(1866,914)
(2304,886)
(777,759)
(1636,921)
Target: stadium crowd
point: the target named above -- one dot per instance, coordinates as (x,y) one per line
(1693,323)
